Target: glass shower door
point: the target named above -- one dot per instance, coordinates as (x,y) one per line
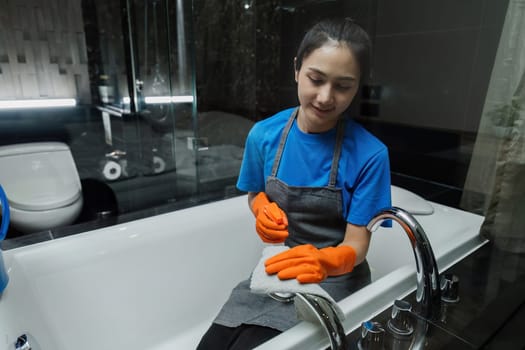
(161,67)
(149,116)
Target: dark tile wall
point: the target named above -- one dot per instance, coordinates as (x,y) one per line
(225,55)
(433,63)
(434,59)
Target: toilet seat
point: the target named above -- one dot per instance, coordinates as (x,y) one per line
(44,201)
(33,221)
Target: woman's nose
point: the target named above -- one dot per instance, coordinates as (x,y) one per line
(325,95)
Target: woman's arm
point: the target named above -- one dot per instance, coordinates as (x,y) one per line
(358,237)
(251,197)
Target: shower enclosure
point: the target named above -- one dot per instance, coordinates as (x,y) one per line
(142,72)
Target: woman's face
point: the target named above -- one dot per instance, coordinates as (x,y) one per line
(326,85)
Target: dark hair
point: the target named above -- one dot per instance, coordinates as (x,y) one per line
(341,30)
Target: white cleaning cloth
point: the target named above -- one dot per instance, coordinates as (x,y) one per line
(262,283)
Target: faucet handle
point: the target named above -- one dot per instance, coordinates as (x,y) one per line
(401,321)
(450,288)
(372,336)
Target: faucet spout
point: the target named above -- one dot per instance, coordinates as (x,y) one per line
(316,308)
(319,308)
(428,294)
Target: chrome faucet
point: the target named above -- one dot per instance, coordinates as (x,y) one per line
(428,294)
(317,309)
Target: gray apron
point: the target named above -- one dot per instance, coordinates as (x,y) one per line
(315,216)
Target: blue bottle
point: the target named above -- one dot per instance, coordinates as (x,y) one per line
(4,224)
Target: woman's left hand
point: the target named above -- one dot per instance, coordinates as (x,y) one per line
(308,264)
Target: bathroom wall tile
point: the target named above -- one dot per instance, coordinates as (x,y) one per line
(225,56)
(415,18)
(425,77)
(481,76)
(29,85)
(494,12)
(410,16)
(36,36)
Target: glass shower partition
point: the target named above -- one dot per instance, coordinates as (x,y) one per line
(147,100)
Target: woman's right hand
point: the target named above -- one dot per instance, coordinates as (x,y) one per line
(271,222)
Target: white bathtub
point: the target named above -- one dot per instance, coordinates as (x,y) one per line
(158,282)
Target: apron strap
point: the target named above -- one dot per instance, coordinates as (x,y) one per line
(284,136)
(337,152)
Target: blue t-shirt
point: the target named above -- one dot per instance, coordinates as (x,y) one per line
(363,174)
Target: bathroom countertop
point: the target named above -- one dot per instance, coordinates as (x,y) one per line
(491,310)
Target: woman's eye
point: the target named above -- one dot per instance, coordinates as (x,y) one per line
(343,87)
(315,81)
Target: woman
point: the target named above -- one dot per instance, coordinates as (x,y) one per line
(314,180)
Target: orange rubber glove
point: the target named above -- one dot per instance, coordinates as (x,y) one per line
(308,264)
(271,222)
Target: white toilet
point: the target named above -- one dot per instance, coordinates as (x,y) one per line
(42,185)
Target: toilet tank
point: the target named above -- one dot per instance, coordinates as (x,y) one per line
(39,176)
